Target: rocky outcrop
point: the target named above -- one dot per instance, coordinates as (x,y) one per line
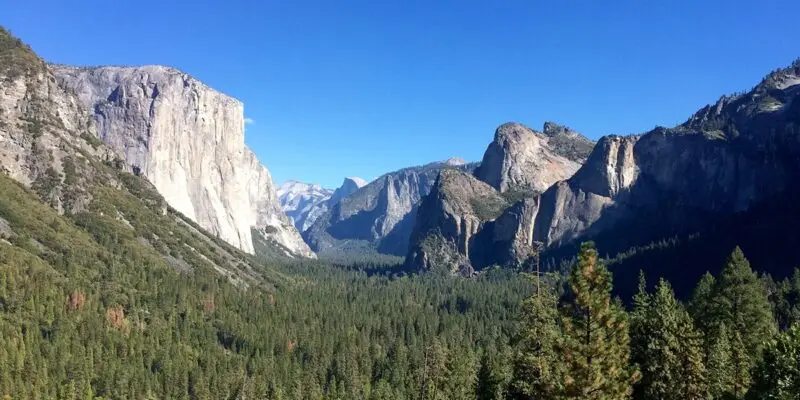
(449,220)
(188,140)
(499,208)
(465,225)
(379,216)
(725,159)
(567,143)
(521,159)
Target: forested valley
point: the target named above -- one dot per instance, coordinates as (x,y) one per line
(83,317)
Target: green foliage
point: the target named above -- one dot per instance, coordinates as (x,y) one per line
(512,196)
(667,348)
(488,207)
(45,184)
(91,139)
(112,317)
(16,58)
(740,302)
(595,345)
(538,371)
(777,375)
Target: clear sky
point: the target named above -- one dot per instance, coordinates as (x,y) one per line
(337,88)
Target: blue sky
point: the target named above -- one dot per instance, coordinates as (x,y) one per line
(340,88)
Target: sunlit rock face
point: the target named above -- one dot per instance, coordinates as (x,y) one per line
(188,140)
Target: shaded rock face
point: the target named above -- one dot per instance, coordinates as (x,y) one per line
(188,140)
(726,159)
(449,220)
(379,216)
(465,225)
(349,186)
(304,203)
(739,154)
(522,159)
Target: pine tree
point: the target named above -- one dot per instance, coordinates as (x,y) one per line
(668,348)
(537,372)
(595,343)
(702,305)
(488,385)
(740,302)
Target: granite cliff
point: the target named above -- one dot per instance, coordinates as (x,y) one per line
(70,200)
(470,222)
(733,163)
(379,216)
(727,158)
(188,140)
(522,159)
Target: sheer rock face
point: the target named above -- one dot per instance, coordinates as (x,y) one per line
(522,159)
(571,208)
(188,140)
(378,216)
(725,159)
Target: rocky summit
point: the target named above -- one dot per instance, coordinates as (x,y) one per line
(188,140)
(450,228)
(521,159)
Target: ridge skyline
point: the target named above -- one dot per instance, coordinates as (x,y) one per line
(364,90)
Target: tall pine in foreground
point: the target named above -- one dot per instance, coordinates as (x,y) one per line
(538,371)
(740,302)
(595,342)
(734,314)
(667,347)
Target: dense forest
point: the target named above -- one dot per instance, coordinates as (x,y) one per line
(124,298)
(81,317)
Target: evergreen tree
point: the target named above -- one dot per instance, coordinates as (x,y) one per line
(669,348)
(702,306)
(595,342)
(537,371)
(488,386)
(740,302)
(777,374)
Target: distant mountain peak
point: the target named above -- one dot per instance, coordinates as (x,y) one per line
(455,161)
(359,182)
